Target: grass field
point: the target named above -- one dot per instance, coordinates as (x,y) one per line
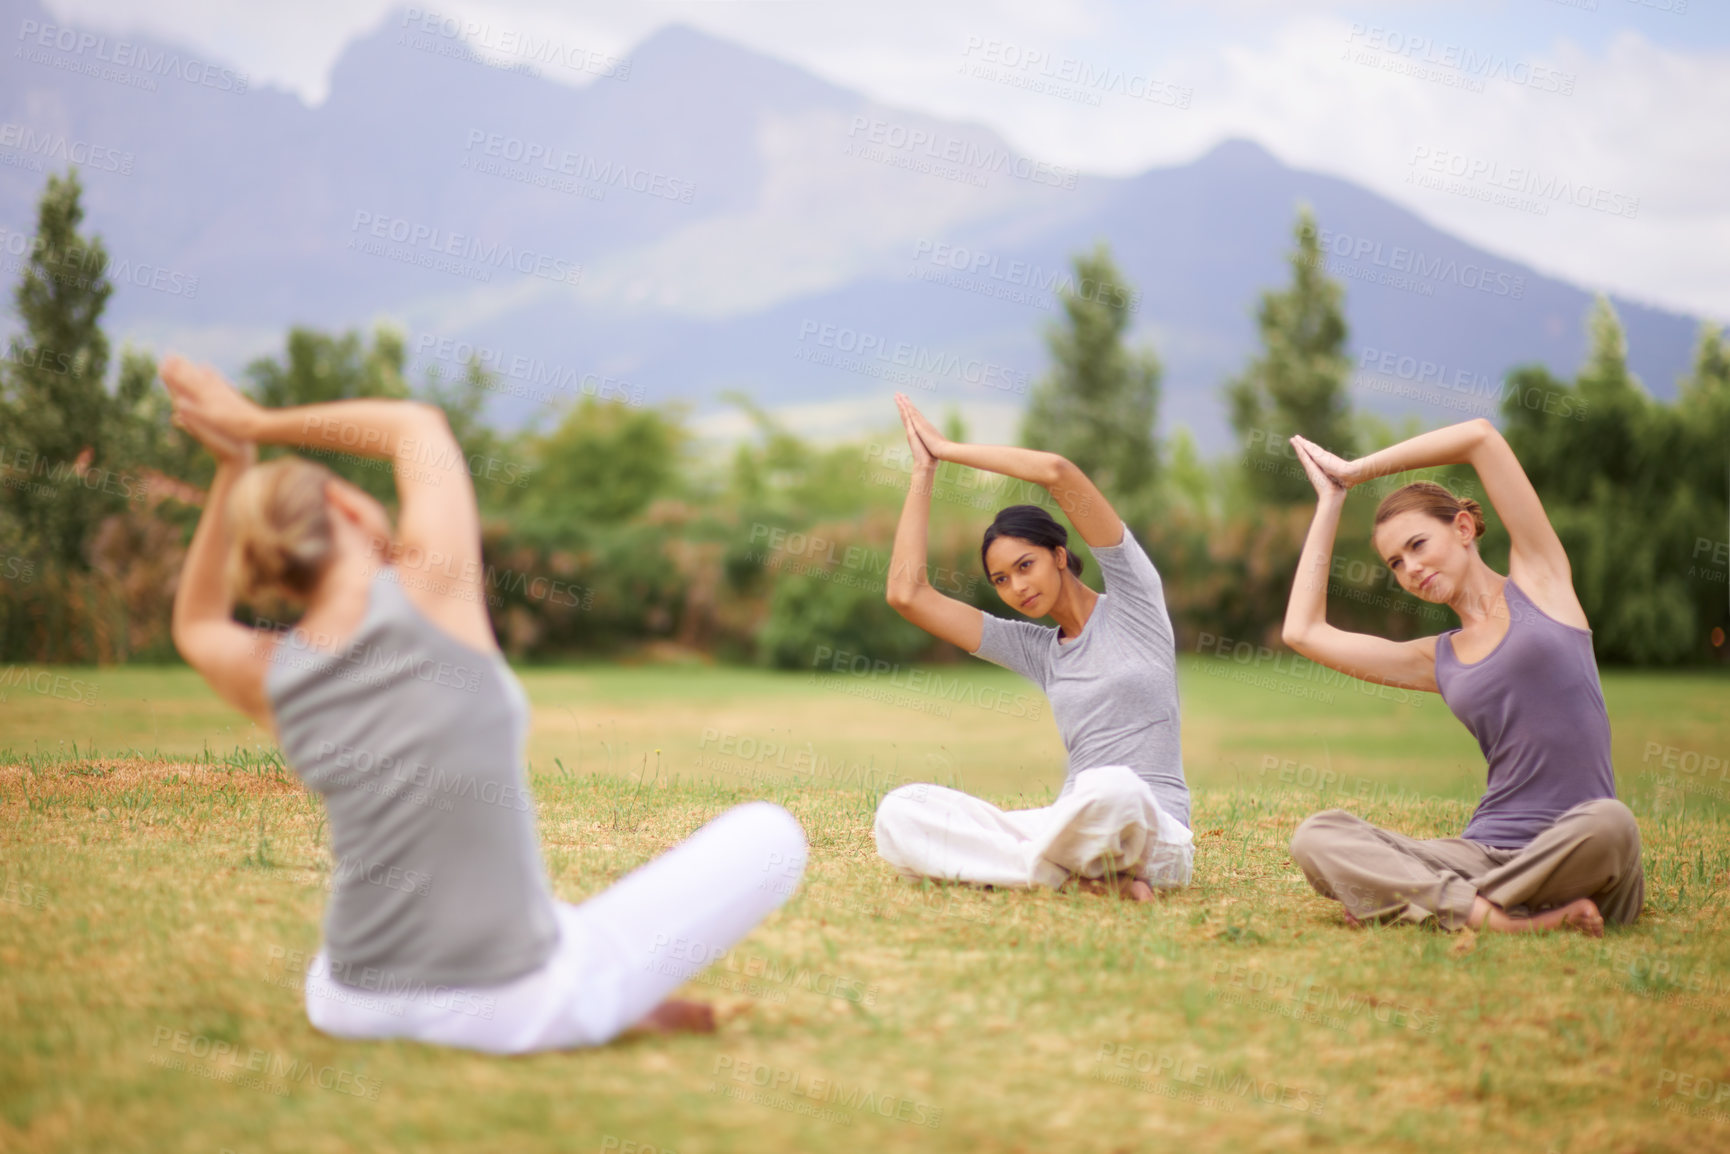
(163,872)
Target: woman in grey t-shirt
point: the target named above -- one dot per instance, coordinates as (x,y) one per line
(390,699)
(1549,847)
(1108,667)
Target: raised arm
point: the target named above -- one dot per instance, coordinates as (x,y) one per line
(907,590)
(1077,495)
(438,523)
(1409,664)
(230,656)
(1536,558)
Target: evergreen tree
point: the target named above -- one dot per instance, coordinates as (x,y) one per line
(1099,403)
(1298,382)
(1636,490)
(60,423)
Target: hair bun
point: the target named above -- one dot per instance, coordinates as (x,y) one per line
(1467,505)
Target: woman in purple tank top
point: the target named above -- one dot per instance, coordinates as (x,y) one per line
(1549,846)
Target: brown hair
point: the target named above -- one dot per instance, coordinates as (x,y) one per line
(280,530)
(1431,498)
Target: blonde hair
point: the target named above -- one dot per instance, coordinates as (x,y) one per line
(280,530)
(1431,498)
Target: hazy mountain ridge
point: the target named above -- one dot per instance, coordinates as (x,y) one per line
(733,218)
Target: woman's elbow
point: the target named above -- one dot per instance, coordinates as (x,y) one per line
(1294,636)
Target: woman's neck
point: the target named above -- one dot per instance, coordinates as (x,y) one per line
(1479,594)
(1073,607)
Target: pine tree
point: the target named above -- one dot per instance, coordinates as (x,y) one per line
(61,424)
(1099,403)
(1298,382)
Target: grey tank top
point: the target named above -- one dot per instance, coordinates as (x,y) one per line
(415,742)
(1537,709)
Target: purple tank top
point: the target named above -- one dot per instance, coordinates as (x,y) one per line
(1537,709)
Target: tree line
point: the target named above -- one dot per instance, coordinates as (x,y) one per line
(608,533)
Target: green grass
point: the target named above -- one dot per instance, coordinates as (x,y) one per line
(162,868)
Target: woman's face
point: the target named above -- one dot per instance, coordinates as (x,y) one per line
(1027,576)
(1429,557)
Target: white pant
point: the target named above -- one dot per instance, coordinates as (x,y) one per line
(1110,823)
(619,954)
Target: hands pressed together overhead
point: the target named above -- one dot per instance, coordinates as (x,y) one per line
(211,409)
(1331,475)
(926,443)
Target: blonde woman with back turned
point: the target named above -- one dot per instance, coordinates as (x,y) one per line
(391,700)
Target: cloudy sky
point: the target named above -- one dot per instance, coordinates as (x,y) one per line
(1458,109)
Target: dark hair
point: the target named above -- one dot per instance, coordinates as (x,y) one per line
(1027,523)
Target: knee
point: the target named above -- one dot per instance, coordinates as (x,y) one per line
(899,803)
(1615,833)
(1312,835)
(776,834)
(1111,786)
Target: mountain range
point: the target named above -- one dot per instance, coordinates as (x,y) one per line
(700,217)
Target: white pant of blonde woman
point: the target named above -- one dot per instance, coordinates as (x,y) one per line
(1110,823)
(620,954)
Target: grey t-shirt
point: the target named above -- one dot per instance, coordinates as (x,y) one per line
(1113,689)
(415,741)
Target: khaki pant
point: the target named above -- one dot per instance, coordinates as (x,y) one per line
(1592,851)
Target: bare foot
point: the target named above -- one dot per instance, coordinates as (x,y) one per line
(1134,889)
(1352,920)
(1581,915)
(674,1017)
